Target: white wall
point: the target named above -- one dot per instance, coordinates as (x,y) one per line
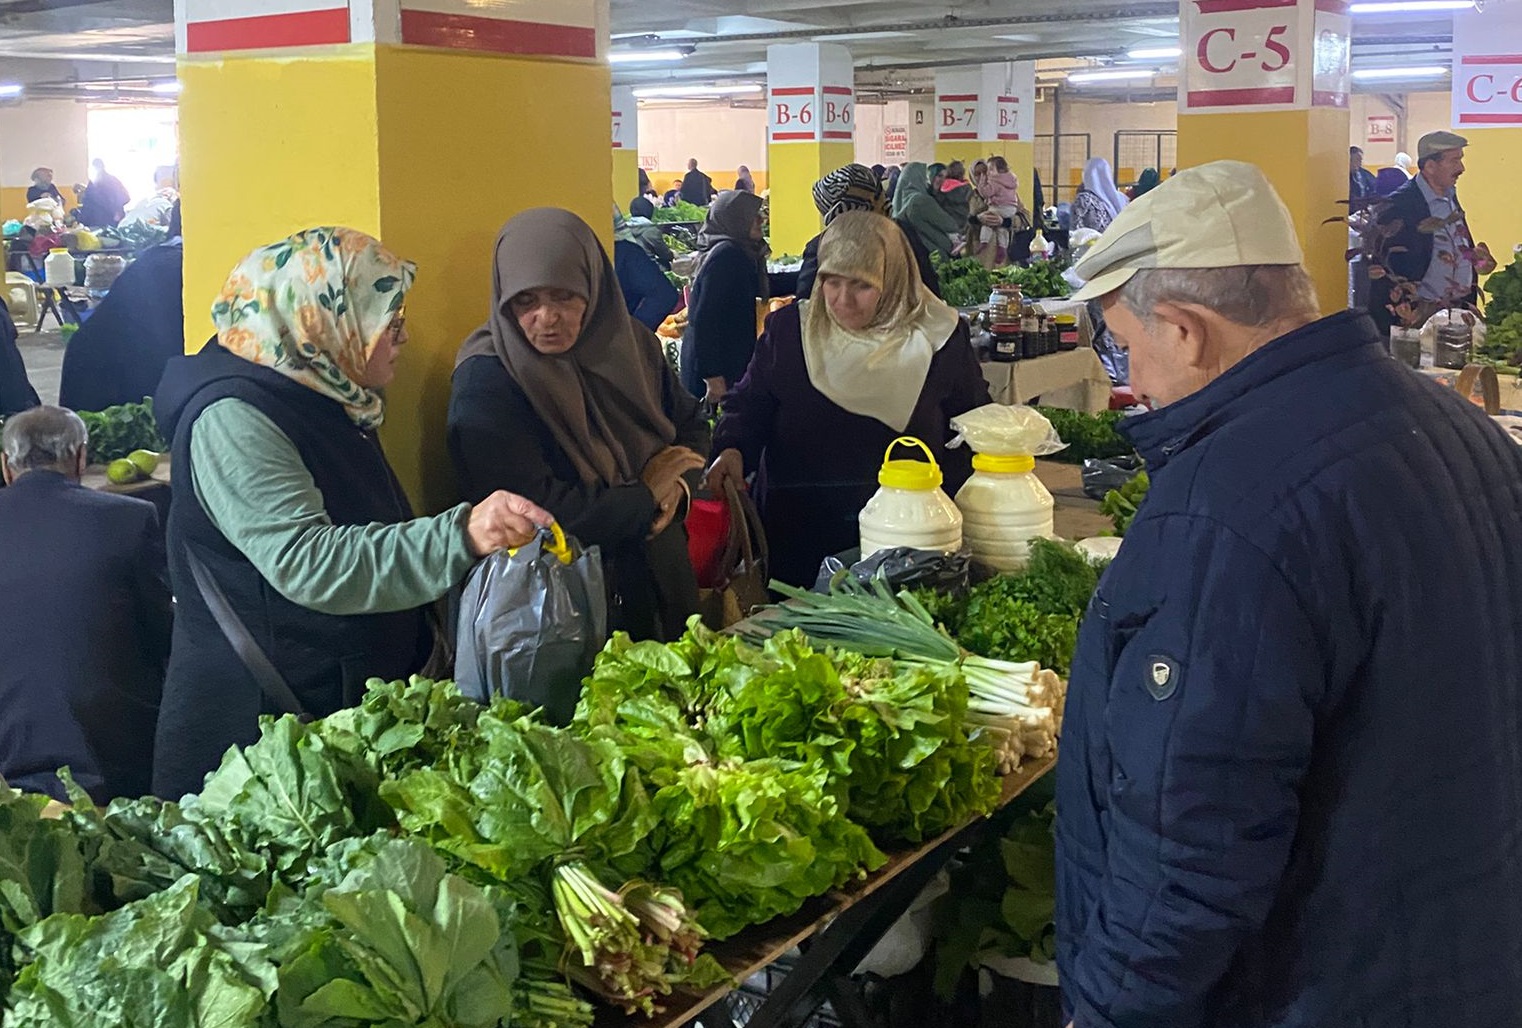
(51,133)
(1425,112)
(720,137)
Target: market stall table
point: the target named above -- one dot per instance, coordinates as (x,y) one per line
(155,488)
(1075,379)
(835,933)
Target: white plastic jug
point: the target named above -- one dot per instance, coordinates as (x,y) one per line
(58,268)
(910,509)
(1004,506)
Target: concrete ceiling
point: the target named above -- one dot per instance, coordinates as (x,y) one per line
(118,49)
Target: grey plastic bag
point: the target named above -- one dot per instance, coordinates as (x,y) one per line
(531,623)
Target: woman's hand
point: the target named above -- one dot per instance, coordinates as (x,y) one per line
(504,521)
(717,390)
(728,466)
(666,468)
(667,508)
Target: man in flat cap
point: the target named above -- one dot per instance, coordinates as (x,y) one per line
(1289,793)
(1432,255)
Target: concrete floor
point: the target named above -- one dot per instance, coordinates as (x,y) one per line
(42,352)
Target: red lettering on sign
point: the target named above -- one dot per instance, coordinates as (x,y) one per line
(1204,51)
(1279,49)
(1489,80)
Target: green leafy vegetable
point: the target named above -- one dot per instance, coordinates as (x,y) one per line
(965,282)
(1121,505)
(1038,280)
(680,211)
(117,431)
(1089,436)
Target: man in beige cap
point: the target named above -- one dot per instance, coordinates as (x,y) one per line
(1430,264)
(1290,783)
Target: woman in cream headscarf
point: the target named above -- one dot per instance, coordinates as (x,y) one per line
(563,397)
(299,570)
(872,356)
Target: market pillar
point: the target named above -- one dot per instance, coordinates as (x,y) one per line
(1487,110)
(414,120)
(625,146)
(1266,82)
(811,125)
(987,111)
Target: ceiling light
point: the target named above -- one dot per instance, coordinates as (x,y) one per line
(1432,72)
(1161,53)
(1410,6)
(171,88)
(11,89)
(641,56)
(655,92)
(1079,78)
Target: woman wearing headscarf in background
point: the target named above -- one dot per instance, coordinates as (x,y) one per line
(1388,181)
(287,526)
(1002,191)
(730,276)
(1098,201)
(918,207)
(1147,182)
(1404,162)
(744,182)
(890,186)
(855,188)
(648,293)
(835,380)
(561,396)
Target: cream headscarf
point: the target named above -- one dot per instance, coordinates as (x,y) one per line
(312,307)
(878,371)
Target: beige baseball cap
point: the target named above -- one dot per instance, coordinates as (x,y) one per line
(1439,142)
(1220,215)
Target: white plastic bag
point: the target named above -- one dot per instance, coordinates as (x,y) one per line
(1006,431)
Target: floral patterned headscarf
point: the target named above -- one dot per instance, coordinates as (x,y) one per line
(312,307)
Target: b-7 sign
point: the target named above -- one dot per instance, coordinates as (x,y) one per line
(957,116)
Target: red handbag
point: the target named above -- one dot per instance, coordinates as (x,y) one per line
(707,536)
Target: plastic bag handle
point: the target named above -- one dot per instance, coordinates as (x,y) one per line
(909,440)
(557,546)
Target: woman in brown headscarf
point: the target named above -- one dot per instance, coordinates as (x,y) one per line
(565,395)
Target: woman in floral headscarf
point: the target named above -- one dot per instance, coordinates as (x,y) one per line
(298,568)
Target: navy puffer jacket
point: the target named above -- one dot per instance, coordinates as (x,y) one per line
(1290,784)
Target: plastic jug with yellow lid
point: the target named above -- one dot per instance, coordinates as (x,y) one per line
(909,509)
(1004,505)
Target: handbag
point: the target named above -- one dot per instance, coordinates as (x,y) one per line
(740,585)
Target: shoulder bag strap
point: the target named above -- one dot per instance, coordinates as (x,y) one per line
(254,659)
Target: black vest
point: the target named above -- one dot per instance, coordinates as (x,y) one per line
(210,700)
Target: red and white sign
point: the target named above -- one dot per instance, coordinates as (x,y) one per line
(958,104)
(895,144)
(1487,68)
(811,95)
(625,119)
(1238,53)
(991,102)
(540,28)
(1380,129)
(1264,54)
(650,162)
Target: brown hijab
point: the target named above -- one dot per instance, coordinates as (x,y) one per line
(602,399)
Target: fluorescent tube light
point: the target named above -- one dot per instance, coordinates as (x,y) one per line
(1161,53)
(11,89)
(654,92)
(1368,74)
(1409,6)
(1079,78)
(643,56)
(166,88)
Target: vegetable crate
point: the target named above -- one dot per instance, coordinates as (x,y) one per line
(754,991)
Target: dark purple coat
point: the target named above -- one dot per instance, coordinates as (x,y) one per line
(817,463)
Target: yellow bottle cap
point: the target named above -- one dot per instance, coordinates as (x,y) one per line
(59,249)
(915,475)
(1003,463)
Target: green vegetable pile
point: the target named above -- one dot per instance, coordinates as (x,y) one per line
(965,282)
(117,431)
(1030,615)
(1121,504)
(1089,436)
(680,211)
(1503,317)
(1038,280)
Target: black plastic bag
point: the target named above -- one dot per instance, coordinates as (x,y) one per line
(531,623)
(903,568)
(1100,476)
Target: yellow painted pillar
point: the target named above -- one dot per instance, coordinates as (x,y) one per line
(1267,83)
(408,119)
(1487,110)
(989,111)
(810,132)
(625,147)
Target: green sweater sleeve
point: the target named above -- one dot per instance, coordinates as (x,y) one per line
(253,484)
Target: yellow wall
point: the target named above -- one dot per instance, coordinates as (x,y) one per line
(1310,183)
(451,236)
(1021,157)
(625,178)
(795,167)
(12,202)
(1488,189)
(252,173)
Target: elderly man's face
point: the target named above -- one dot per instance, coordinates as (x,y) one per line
(1163,358)
(1443,171)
